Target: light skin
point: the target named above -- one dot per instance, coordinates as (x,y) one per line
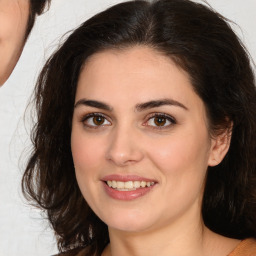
(152,124)
(13,19)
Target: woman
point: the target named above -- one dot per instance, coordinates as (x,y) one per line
(17,18)
(145,141)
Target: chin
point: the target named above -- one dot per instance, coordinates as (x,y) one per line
(129,227)
(128,222)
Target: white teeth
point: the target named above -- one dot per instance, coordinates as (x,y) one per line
(143,184)
(120,184)
(136,184)
(128,185)
(114,185)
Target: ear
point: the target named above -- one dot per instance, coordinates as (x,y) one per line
(219,147)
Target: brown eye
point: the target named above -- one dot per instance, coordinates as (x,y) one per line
(98,120)
(160,121)
(95,120)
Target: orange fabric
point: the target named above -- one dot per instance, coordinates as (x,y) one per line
(246,248)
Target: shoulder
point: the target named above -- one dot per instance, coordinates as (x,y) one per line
(246,248)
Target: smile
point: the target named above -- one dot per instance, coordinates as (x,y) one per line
(128,185)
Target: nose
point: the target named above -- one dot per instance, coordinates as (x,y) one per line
(124,147)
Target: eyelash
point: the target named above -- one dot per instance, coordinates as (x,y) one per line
(151,116)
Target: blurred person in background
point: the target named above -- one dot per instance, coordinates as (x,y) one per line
(17,18)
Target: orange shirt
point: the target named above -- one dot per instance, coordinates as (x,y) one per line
(246,248)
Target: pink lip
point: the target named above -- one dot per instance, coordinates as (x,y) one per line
(126,195)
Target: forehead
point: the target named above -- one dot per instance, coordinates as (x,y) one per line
(138,62)
(138,73)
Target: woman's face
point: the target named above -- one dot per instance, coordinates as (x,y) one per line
(139,126)
(13,19)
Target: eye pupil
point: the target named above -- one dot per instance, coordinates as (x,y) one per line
(98,120)
(160,121)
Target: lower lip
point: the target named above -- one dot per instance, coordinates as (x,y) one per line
(127,195)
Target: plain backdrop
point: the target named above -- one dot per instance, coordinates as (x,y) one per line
(23,229)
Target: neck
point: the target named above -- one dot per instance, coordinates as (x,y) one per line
(181,237)
(184,238)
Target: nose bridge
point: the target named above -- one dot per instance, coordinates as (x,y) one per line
(124,145)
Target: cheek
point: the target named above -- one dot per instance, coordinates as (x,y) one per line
(84,160)
(183,166)
(182,158)
(180,151)
(88,157)
(87,152)
(13,19)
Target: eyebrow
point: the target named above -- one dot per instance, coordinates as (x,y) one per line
(93,103)
(159,103)
(139,107)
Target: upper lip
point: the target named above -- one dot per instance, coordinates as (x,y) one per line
(118,177)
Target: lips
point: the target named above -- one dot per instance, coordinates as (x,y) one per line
(127,187)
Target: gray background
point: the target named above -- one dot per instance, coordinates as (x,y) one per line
(23,229)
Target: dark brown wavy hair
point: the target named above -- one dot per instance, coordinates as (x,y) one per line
(36,8)
(202,43)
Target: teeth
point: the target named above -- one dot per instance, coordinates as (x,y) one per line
(120,184)
(114,185)
(128,185)
(143,184)
(136,184)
